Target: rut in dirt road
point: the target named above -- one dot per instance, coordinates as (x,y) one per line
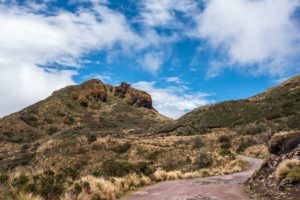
(212,188)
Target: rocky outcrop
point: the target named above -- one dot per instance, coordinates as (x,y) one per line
(284,142)
(133,96)
(264,181)
(91,90)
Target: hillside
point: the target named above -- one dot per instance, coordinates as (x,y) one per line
(97,141)
(91,108)
(278,109)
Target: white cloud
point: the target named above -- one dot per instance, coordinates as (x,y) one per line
(163,13)
(173,101)
(174,79)
(260,32)
(152,61)
(31,39)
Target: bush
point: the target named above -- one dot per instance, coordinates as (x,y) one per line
(77,188)
(197,143)
(121,148)
(49,185)
(225,152)
(225,141)
(52,130)
(204,159)
(20,180)
(285,168)
(148,155)
(91,138)
(116,168)
(3,178)
(70,173)
(119,168)
(29,119)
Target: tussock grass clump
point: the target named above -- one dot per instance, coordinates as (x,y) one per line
(285,168)
(28,196)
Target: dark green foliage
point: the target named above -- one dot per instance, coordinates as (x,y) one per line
(204,159)
(12,137)
(121,148)
(70,173)
(148,155)
(293,122)
(91,138)
(69,120)
(252,129)
(225,152)
(225,141)
(49,185)
(52,130)
(20,180)
(29,118)
(3,178)
(197,143)
(143,168)
(119,168)
(96,173)
(86,185)
(77,188)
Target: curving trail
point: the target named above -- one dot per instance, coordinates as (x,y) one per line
(225,187)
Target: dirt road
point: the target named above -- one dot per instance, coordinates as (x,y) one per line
(212,188)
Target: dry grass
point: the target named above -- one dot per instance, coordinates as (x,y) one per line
(257,151)
(28,196)
(284,168)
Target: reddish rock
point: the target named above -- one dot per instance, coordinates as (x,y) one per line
(121,90)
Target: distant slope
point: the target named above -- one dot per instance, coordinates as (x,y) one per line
(279,106)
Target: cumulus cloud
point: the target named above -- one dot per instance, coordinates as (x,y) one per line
(173,101)
(258,35)
(152,61)
(164,12)
(31,41)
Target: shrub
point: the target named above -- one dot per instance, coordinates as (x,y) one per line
(224,139)
(49,185)
(197,143)
(20,180)
(121,148)
(29,119)
(3,178)
(71,173)
(91,138)
(52,130)
(204,159)
(77,188)
(148,155)
(294,175)
(116,168)
(225,152)
(285,168)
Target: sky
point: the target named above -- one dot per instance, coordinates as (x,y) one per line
(185,53)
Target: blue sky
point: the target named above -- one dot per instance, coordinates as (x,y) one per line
(185,54)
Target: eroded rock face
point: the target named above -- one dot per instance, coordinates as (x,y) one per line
(92,89)
(133,96)
(121,90)
(284,142)
(96,90)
